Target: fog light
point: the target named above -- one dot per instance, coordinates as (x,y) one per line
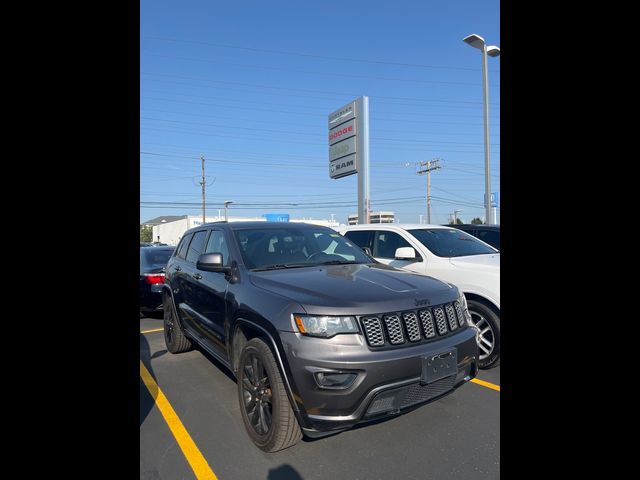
(335,380)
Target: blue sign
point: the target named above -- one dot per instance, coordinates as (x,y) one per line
(276,217)
(494,199)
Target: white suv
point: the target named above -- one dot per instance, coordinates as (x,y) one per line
(447,254)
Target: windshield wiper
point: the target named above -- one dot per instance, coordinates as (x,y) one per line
(279,266)
(338,262)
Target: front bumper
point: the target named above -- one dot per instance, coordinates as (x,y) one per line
(387,382)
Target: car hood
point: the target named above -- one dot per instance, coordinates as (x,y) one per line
(489,261)
(354,289)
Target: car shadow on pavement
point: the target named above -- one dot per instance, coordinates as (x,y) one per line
(147,399)
(284,472)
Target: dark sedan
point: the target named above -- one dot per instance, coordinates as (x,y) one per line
(487,233)
(153,261)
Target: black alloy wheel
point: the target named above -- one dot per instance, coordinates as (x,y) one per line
(264,404)
(174,337)
(258,400)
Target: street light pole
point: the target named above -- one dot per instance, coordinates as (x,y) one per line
(226,205)
(478,42)
(487,171)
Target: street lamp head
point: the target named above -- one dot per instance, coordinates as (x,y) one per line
(227,202)
(476,41)
(493,51)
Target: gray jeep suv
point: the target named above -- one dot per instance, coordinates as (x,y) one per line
(318,335)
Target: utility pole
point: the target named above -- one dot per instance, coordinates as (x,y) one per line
(455,216)
(202,182)
(426,166)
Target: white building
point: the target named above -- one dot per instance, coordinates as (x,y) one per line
(169,230)
(374,217)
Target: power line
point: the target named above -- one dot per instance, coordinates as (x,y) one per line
(280,104)
(341,94)
(294,204)
(383,100)
(309,55)
(315,135)
(289,112)
(308,72)
(315,126)
(277,140)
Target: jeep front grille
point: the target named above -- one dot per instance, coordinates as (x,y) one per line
(411,322)
(461,320)
(440,321)
(451,316)
(373,331)
(427,323)
(394,329)
(411,326)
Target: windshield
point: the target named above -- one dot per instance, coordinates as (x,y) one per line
(157,256)
(448,242)
(289,247)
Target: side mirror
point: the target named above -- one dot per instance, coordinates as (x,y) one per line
(211,262)
(406,253)
(367,250)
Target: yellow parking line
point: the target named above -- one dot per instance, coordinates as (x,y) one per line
(196,460)
(486,384)
(154,330)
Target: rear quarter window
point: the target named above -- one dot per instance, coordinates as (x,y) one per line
(182,248)
(361,238)
(196,247)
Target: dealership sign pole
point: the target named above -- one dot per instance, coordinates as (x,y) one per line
(349,149)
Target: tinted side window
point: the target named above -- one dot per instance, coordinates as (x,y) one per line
(491,237)
(217,244)
(385,244)
(360,237)
(182,248)
(197,246)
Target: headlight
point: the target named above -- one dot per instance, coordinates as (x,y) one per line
(465,309)
(325,326)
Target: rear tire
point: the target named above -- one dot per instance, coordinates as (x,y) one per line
(488,323)
(174,337)
(265,407)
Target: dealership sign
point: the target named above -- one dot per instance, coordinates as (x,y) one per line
(343,140)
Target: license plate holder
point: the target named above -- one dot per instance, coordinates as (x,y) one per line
(439,365)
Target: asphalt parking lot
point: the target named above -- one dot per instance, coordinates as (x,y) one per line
(194,425)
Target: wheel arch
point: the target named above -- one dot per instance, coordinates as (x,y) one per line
(244,329)
(485,301)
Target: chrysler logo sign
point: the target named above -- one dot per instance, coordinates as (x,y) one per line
(342,115)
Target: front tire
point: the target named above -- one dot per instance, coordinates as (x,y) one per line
(266,411)
(174,337)
(488,324)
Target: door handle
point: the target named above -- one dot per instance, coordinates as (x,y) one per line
(178,269)
(197,276)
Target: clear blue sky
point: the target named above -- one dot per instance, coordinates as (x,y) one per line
(249,85)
